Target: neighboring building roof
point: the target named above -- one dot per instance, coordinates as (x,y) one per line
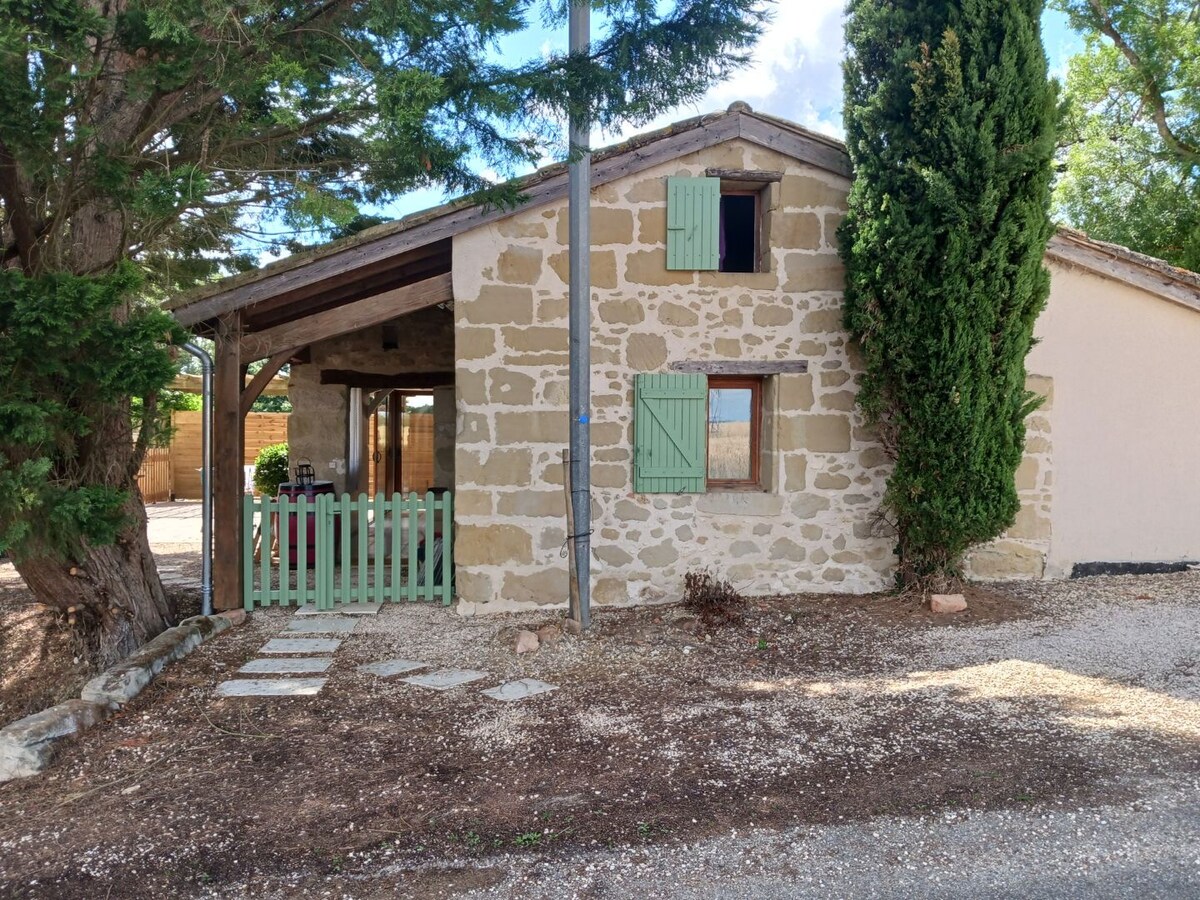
(373,246)
(1074,248)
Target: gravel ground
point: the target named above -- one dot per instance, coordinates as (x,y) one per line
(1147,848)
(825,747)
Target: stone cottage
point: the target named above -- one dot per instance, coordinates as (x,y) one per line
(725,433)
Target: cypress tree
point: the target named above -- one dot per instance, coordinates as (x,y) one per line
(950,123)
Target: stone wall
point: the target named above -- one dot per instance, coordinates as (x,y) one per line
(422,341)
(1021,552)
(811,529)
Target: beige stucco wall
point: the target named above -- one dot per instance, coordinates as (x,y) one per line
(424,342)
(1126,422)
(811,530)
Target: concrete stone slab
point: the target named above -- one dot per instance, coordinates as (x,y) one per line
(445,679)
(342,609)
(300,645)
(286,665)
(511,691)
(393,667)
(323,625)
(270,687)
(27,745)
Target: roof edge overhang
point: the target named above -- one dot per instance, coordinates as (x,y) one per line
(547,185)
(1116,263)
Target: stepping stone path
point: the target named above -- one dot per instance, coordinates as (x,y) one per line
(323,625)
(512,691)
(290,656)
(285,665)
(273,687)
(392,667)
(300,645)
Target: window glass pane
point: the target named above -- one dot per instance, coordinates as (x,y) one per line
(729,441)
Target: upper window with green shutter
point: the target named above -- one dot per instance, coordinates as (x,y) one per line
(714,224)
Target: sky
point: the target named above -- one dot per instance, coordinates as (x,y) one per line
(796,74)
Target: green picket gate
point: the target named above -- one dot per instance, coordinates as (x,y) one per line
(364,550)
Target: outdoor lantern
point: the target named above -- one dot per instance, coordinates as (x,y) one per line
(305,474)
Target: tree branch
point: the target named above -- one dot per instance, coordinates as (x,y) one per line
(1151,91)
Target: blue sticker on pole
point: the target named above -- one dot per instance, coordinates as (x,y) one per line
(583,420)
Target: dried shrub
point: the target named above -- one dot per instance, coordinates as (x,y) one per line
(714,600)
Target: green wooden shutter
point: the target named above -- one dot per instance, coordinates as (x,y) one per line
(669,446)
(693,223)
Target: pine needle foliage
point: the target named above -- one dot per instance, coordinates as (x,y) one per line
(950,123)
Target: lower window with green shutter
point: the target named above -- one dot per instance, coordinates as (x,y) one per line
(693,433)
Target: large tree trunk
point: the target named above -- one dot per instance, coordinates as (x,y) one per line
(113,595)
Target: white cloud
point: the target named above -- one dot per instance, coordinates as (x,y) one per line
(796,72)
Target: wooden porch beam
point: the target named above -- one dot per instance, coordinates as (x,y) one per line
(262,378)
(376,381)
(228,480)
(345,319)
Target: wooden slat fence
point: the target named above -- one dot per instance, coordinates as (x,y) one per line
(363,550)
(154,478)
(261,429)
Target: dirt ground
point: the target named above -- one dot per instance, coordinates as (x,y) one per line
(821,712)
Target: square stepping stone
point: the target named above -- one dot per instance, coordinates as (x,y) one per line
(445,679)
(342,609)
(511,691)
(270,687)
(300,645)
(393,667)
(286,665)
(323,625)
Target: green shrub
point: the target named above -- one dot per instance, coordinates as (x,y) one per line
(271,469)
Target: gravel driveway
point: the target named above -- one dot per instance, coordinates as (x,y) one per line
(823,748)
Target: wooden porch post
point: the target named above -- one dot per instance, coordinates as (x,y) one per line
(228,479)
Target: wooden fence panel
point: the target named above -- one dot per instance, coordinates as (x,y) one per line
(262,429)
(154,478)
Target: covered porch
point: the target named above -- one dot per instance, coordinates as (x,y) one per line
(368,334)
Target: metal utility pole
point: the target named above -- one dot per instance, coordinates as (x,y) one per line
(580,327)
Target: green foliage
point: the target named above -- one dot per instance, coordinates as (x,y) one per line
(274,404)
(270,469)
(203,124)
(70,366)
(1131,145)
(950,123)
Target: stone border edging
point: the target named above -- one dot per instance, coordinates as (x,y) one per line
(27,745)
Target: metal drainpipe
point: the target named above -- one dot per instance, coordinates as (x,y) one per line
(206,503)
(354,452)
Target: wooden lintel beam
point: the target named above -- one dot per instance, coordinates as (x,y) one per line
(731,367)
(262,378)
(745,175)
(383,381)
(351,317)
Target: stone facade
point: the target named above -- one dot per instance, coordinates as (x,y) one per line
(317,428)
(812,527)
(500,432)
(1022,551)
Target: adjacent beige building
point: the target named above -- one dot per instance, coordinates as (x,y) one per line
(725,432)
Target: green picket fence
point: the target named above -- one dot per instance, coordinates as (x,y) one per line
(364,550)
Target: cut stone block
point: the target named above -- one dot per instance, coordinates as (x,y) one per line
(300,645)
(270,687)
(323,625)
(512,691)
(393,667)
(445,679)
(286,665)
(27,745)
(342,609)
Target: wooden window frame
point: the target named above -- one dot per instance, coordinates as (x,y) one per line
(739,191)
(738,382)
